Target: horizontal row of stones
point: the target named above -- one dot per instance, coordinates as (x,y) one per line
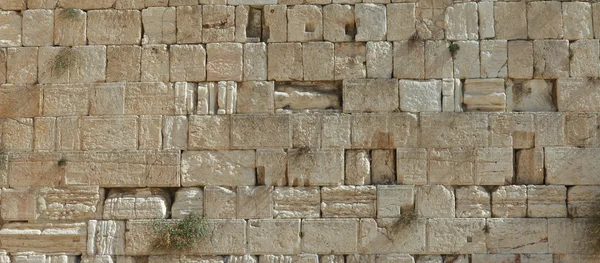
(300,23)
(317,236)
(79,203)
(311,61)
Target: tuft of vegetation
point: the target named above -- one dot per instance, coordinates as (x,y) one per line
(69,13)
(62,161)
(181,235)
(63,61)
(405,220)
(453,48)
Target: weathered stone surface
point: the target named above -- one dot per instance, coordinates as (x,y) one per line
(305,23)
(486,17)
(187,63)
(494,56)
(159,25)
(68,136)
(510,20)
(523,235)
(17,134)
(275,23)
(336,131)
(155,63)
(546,201)
(379,59)
(260,131)
(38,27)
(141,203)
(412,166)
(584,54)
(86,4)
(315,167)
(473,201)
(306,130)
(384,131)
(327,235)
(394,200)
(385,236)
(106,237)
(581,129)
(300,258)
(21,66)
(520,59)
(285,61)
(10,29)
(571,236)
(255,61)
(311,96)
(510,201)
(189,21)
(383,167)
(435,201)
(118,27)
(275,236)
(530,166)
(523,258)
(271,166)
(218,23)
(149,98)
(550,58)
(13,5)
(224,61)
(370,22)
(187,201)
(219,202)
(44,238)
(348,201)
(370,95)
(438,60)
(577,20)
(462,21)
(255,97)
(577,95)
(44,138)
(254,202)
(456,236)
(571,165)
(149,133)
(318,60)
(100,133)
(17,204)
(531,95)
(420,96)
(447,130)
(514,130)
(484,95)
(466,60)
(296,202)
(107,99)
(582,200)
(175,133)
(229,168)
(123,63)
(358,167)
(74,203)
(401,21)
(338,23)
(544,20)
(494,166)
(550,129)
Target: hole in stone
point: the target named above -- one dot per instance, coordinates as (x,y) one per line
(350,30)
(309,28)
(469,239)
(254,27)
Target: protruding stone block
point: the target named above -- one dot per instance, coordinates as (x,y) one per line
(74,203)
(510,201)
(296,202)
(187,201)
(484,95)
(44,238)
(348,201)
(473,201)
(305,23)
(106,237)
(420,96)
(142,203)
(229,168)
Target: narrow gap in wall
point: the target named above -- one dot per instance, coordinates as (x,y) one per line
(255,24)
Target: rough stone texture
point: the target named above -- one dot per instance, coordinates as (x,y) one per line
(494,56)
(370,22)
(218,23)
(420,96)
(117,27)
(189,20)
(577,20)
(315,167)
(550,58)
(577,95)
(187,201)
(517,235)
(255,97)
(73,203)
(401,21)
(435,201)
(394,200)
(382,237)
(17,205)
(348,201)
(466,60)
(254,202)
(473,201)
(137,204)
(17,134)
(530,166)
(187,63)
(343,237)
(219,202)
(520,59)
(546,201)
(456,235)
(510,201)
(444,130)
(438,60)
(512,130)
(255,61)
(583,58)
(409,59)
(10,29)
(350,59)
(544,20)
(159,25)
(305,23)
(510,20)
(275,23)
(308,96)
(224,61)
(106,237)
(284,61)
(531,95)
(99,133)
(229,168)
(550,129)
(260,131)
(296,202)
(579,162)
(358,167)
(279,236)
(21,65)
(581,129)
(462,22)
(318,61)
(37,27)
(370,95)
(484,95)
(44,238)
(412,166)
(337,20)
(581,200)
(570,236)
(123,63)
(147,98)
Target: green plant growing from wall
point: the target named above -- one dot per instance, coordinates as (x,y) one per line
(181,235)
(62,161)
(63,61)
(69,13)
(405,220)
(453,48)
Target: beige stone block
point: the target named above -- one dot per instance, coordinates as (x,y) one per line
(326,235)
(285,61)
(13,5)
(86,4)
(484,95)
(379,59)
(188,200)
(582,129)
(101,133)
(358,167)
(187,63)
(383,167)
(306,131)
(582,200)
(577,20)
(218,23)
(461,22)
(485,10)
(435,201)
(44,238)
(260,131)
(338,23)
(509,201)
(17,134)
(466,60)
(65,100)
(41,4)
(106,237)
(175,133)
(300,258)
(38,27)
(275,23)
(89,64)
(530,166)
(296,202)
(577,95)
(255,61)
(21,65)
(531,95)
(420,96)
(107,99)
(318,61)
(546,201)
(438,60)
(550,58)
(155,63)
(308,96)
(32,170)
(348,201)
(572,165)
(473,201)
(550,129)
(228,168)
(185,98)
(510,20)
(584,58)
(544,20)
(73,203)
(572,236)
(385,236)
(370,95)
(336,131)
(18,204)
(455,166)
(456,236)
(68,135)
(443,130)
(412,166)
(123,63)
(409,59)
(189,21)
(494,57)
(254,202)
(150,3)
(523,258)
(350,60)
(10,29)
(494,166)
(219,202)
(209,132)
(305,23)
(44,134)
(3,65)
(255,97)
(520,59)
(522,235)
(159,25)
(401,21)
(248,23)
(394,200)
(142,203)
(276,236)
(514,130)
(130,4)
(117,27)
(271,167)
(384,131)
(371,23)
(149,132)
(315,167)
(147,98)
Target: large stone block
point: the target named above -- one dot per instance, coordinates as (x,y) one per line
(296,202)
(38,27)
(229,168)
(412,166)
(512,130)
(187,63)
(285,61)
(550,58)
(209,132)
(254,202)
(348,201)
(577,95)
(466,60)
(155,63)
(330,236)
(106,237)
(494,56)
(21,65)
(448,130)
(371,22)
(260,131)
(420,96)
(546,201)
(308,96)
(271,167)
(187,201)
(338,23)
(582,129)
(306,130)
(10,29)
(582,200)
(350,60)
(530,95)
(530,166)
(74,203)
(384,130)
(275,23)
(86,4)
(255,61)
(224,61)
(520,59)
(114,27)
(577,20)
(44,238)
(101,133)
(17,134)
(433,201)
(318,60)
(460,236)
(149,98)
(150,129)
(123,63)
(572,166)
(305,23)
(550,129)
(473,201)
(510,201)
(70,27)
(141,203)
(522,235)
(583,58)
(315,167)
(44,134)
(189,22)
(409,59)
(572,236)
(13,5)
(175,133)
(462,21)
(159,25)
(486,16)
(107,99)
(379,59)
(438,60)
(370,95)
(220,202)
(394,200)
(358,167)
(401,21)
(218,23)
(510,20)
(336,131)
(544,20)
(484,95)
(18,204)
(389,235)
(274,236)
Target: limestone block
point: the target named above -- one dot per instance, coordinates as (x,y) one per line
(44,134)
(276,236)
(371,23)
(400,131)
(582,129)
(370,95)
(285,61)
(271,167)
(68,133)
(550,58)
(386,236)
(254,202)
(38,27)
(546,201)
(188,22)
(10,29)
(17,134)
(456,236)
(44,238)
(187,63)
(550,129)
(318,60)
(577,20)
(149,98)
(517,235)
(296,202)
(514,130)
(529,258)
(305,23)
(531,95)
(383,167)
(22,65)
(218,23)
(13,5)
(409,59)
(494,57)
(141,203)
(435,201)
(446,130)
(338,23)
(330,236)
(228,168)
(510,20)
(106,237)
(41,4)
(175,133)
(4,258)
(466,61)
(123,63)
(107,99)
(401,21)
(219,202)
(520,59)
(582,200)
(584,58)
(379,59)
(69,27)
(131,4)
(29,257)
(485,11)
(3,65)
(419,96)
(155,63)
(394,200)
(260,131)
(248,23)
(86,4)
(510,201)
(101,133)
(311,96)
(275,23)
(69,203)
(150,128)
(224,61)
(461,21)
(358,167)
(473,201)
(454,166)
(255,97)
(530,166)
(595,19)
(438,60)
(332,259)
(227,236)
(577,95)
(484,95)
(64,100)
(348,201)
(571,236)
(336,131)
(544,20)
(449,100)
(185,98)
(300,258)
(494,166)
(315,167)
(573,165)
(187,201)
(306,130)
(159,25)
(18,204)
(412,166)
(114,27)
(255,61)
(350,60)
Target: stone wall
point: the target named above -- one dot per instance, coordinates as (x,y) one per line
(305,131)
